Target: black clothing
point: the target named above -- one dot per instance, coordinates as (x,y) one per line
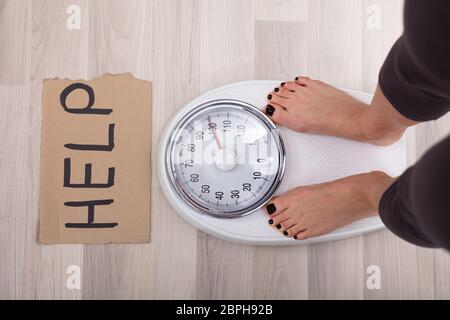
(415,78)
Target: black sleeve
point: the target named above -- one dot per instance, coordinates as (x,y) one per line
(417,206)
(415,77)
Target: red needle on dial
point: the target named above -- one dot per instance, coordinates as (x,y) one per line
(213,129)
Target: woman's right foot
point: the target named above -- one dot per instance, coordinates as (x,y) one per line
(312,106)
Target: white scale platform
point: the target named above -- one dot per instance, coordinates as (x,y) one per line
(310,159)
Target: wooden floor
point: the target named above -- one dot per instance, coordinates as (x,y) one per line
(186,47)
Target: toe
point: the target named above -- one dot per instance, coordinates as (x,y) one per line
(278,219)
(291,86)
(302,235)
(295,230)
(286,225)
(283,92)
(276,206)
(303,81)
(275,98)
(271,209)
(280,91)
(277,113)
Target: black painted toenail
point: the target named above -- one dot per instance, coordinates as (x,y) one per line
(270,110)
(270,221)
(271,208)
(278,226)
(285,233)
(276,89)
(296,78)
(283,83)
(295,237)
(269,97)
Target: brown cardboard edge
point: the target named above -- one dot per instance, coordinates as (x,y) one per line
(147,240)
(108,74)
(38,233)
(140,241)
(150,163)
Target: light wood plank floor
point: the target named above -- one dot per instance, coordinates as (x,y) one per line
(186,47)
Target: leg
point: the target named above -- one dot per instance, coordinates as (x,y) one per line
(416,207)
(311,106)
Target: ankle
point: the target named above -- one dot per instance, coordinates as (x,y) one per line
(372,186)
(378,132)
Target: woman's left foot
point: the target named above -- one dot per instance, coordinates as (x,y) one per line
(311,211)
(311,106)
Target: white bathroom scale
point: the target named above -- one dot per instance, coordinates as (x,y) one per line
(221,160)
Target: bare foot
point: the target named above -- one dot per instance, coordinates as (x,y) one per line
(312,106)
(311,211)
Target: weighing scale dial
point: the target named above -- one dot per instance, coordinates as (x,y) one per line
(225,158)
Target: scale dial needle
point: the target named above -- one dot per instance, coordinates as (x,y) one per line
(216,138)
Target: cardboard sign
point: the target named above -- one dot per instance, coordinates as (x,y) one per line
(95,161)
